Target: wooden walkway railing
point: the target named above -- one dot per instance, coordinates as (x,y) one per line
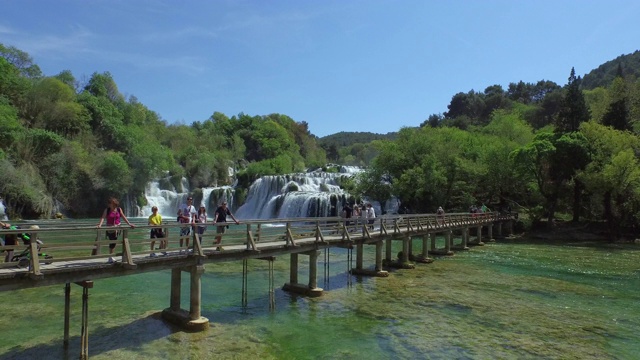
(78,251)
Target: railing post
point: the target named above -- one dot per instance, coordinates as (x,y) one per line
(34,262)
(251,245)
(127,259)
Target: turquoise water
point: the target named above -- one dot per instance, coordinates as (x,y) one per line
(505,300)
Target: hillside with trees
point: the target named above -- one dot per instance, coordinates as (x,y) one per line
(548,150)
(70,145)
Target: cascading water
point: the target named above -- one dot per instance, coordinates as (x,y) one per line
(168,199)
(313,194)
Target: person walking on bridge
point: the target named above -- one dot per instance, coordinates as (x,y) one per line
(113,213)
(186,215)
(221,216)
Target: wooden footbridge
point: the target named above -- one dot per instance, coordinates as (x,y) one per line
(81,252)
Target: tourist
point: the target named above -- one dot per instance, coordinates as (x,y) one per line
(371,215)
(202,221)
(186,215)
(347,211)
(440,213)
(113,213)
(221,216)
(156,233)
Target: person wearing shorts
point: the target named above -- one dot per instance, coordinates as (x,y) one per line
(221,216)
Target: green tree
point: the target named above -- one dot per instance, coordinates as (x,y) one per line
(574,110)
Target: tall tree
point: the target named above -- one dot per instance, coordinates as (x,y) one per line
(617,115)
(574,109)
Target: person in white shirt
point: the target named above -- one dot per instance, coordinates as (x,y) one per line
(187,215)
(371,215)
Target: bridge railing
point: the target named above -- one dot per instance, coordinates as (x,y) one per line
(72,242)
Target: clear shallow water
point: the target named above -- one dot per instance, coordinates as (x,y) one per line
(506,300)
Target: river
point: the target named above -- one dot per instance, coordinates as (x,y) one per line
(507,300)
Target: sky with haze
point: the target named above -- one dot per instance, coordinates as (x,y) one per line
(348,65)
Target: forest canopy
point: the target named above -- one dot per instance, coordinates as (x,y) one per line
(549,150)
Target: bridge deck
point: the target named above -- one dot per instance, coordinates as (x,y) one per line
(251,239)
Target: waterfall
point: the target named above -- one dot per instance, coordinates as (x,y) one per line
(168,199)
(313,194)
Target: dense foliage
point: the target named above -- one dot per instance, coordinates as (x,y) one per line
(541,148)
(70,145)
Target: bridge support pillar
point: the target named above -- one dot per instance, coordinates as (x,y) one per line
(478,240)
(464,234)
(424,255)
(499,230)
(509,227)
(360,270)
(191,320)
(433,241)
(312,288)
(490,233)
(448,239)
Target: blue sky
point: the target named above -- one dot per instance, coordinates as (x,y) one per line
(348,65)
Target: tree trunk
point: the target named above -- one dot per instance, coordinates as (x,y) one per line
(608,214)
(577,197)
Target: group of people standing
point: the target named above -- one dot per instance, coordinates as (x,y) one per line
(187,215)
(365,212)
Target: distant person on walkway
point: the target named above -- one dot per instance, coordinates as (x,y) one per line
(371,215)
(156,233)
(347,211)
(186,215)
(113,213)
(221,216)
(202,221)
(440,213)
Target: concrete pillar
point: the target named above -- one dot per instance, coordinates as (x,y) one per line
(67,313)
(195,292)
(479,235)
(379,256)
(359,255)
(425,246)
(176,280)
(410,248)
(388,255)
(490,233)
(447,240)
(433,241)
(499,229)
(293,269)
(191,320)
(313,269)
(405,251)
(465,238)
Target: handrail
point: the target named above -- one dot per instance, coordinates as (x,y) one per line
(83,243)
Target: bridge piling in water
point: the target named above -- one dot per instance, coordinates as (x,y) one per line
(193,319)
(312,288)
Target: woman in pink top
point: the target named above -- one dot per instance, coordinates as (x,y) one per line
(113,213)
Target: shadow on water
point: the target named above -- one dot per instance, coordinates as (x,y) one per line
(112,338)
